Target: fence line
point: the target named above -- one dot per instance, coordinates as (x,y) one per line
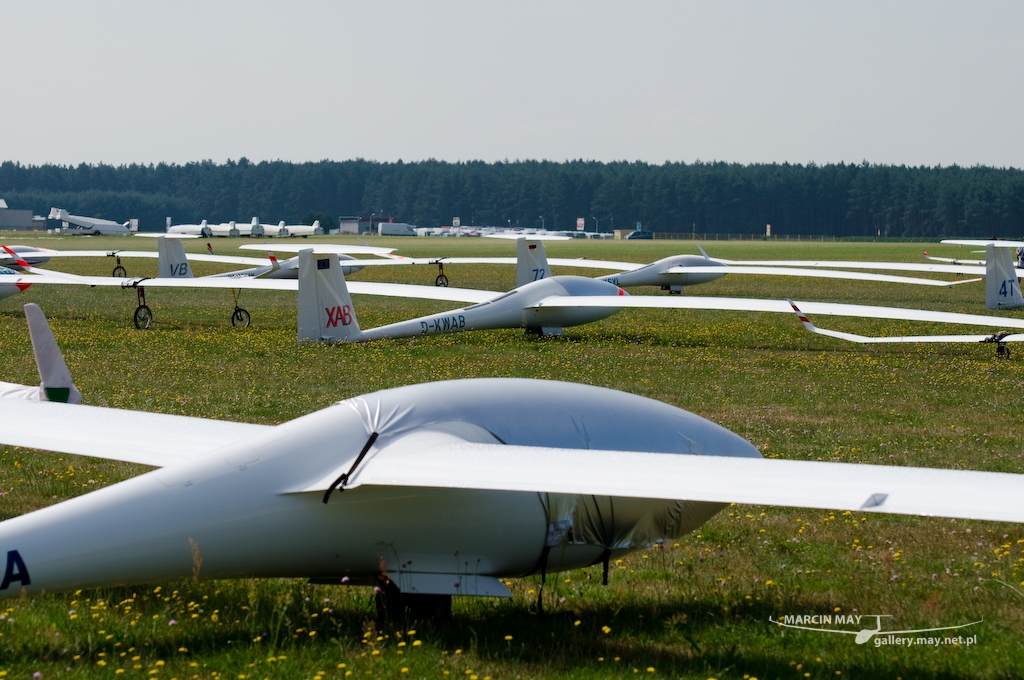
(694,236)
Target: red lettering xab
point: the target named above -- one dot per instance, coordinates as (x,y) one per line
(336,315)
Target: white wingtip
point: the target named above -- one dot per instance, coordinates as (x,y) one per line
(53,372)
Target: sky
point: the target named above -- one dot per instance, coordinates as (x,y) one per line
(915,83)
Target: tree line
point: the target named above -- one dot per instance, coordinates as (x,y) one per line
(705,197)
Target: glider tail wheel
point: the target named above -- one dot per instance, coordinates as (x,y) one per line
(441,280)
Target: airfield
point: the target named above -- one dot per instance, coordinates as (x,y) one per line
(696,608)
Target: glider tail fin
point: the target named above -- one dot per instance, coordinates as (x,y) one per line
(1002,290)
(56,384)
(531,262)
(171,260)
(326,312)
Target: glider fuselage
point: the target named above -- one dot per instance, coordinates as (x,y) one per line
(256,508)
(514,309)
(657,274)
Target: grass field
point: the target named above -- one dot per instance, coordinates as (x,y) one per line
(695,608)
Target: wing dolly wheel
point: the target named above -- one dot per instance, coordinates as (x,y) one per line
(441,281)
(143,317)
(120,272)
(239,318)
(143,314)
(1002,350)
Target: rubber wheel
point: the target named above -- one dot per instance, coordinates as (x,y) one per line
(240,318)
(120,272)
(441,280)
(143,317)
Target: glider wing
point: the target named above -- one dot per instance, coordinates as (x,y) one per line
(157,439)
(426,460)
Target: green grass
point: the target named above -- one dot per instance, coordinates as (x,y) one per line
(694,608)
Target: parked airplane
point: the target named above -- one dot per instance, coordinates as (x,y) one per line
(301,230)
(31,254)
(55,382)
(92,226)
(543,306)
(672,273)
(202,229)
(254,228)
(426,491)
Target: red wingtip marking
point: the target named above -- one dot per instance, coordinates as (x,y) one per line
(17,258)
(621,292)
(22,286)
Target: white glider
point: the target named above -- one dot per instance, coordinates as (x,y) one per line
(427,490)
(672,273)
(92,226)
(545,305)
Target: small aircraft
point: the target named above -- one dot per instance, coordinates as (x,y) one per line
(202,229)
(55,382)
(292,230)
(92,226)
(540,305)
(224,229)
(427,491)
(34,256)
(672,273)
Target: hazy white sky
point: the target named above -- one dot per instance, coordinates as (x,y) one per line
(889,82)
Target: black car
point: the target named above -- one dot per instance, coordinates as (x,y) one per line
(637,235)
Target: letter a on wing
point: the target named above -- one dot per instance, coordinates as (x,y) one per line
(325,308)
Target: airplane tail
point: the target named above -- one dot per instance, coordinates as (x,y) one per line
(326,313)
(171,260)
(59,214)
(531,262)
(317,229)
(56,384)
(1002,290)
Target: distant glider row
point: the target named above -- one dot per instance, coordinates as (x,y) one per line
(540,304)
